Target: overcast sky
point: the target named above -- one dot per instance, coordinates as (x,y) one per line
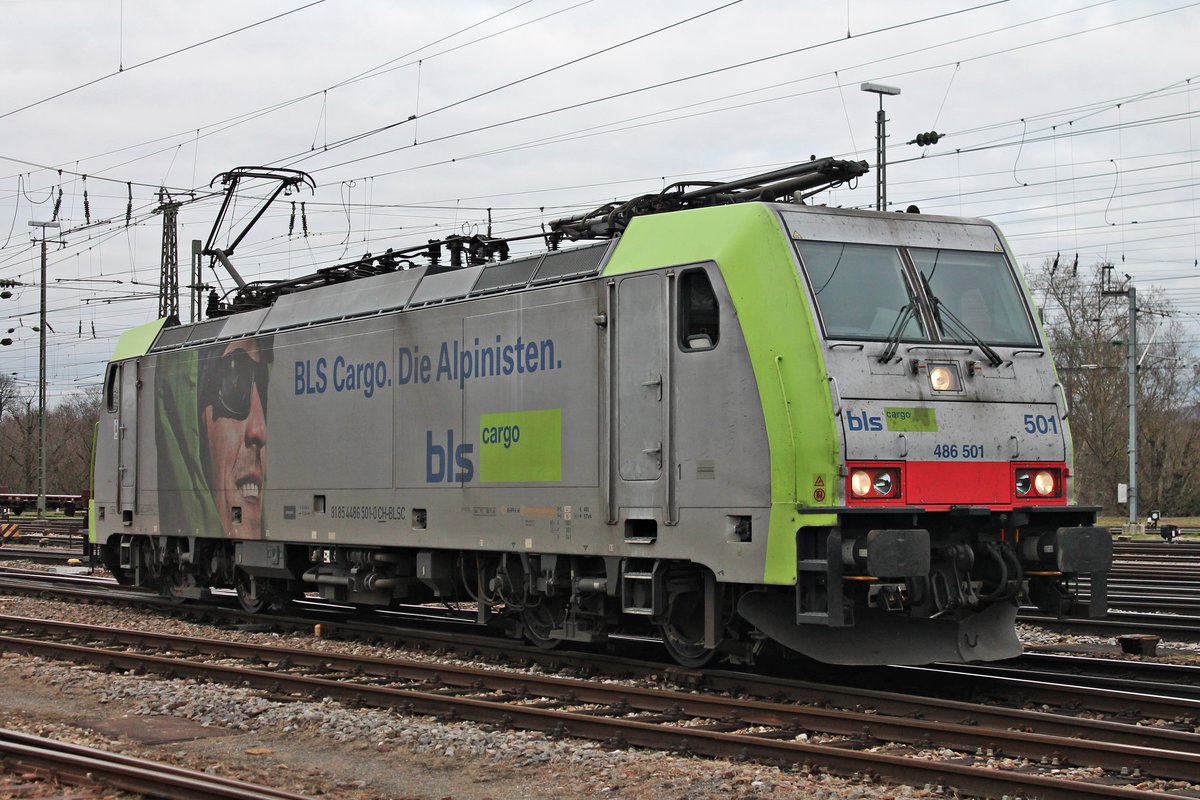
(1068,122)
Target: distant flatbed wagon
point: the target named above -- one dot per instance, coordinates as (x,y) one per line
(20,502)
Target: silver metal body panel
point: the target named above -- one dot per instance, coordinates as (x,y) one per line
(376,416)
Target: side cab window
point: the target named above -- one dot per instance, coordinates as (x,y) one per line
(111,390)
(699,315)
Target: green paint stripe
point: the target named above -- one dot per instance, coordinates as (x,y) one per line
(136,342)
(92,522)
(759,269)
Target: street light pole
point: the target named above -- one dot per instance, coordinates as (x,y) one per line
(42,376)
(880,142)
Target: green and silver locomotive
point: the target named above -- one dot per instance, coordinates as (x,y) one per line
(720,415)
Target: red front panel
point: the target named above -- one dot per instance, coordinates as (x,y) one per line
(959,483)
(940,484)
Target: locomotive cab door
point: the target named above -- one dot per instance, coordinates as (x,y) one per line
(127,436)
(641,379)
(640,462)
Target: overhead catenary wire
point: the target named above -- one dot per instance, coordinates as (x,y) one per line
(123,69)
(178,189)
(378,231)
(300,157)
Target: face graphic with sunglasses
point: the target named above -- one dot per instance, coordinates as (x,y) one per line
(233,400)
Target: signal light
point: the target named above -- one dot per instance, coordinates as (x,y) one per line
(927,138)
(875,483)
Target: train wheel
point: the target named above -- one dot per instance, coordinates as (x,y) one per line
(171,586)
(257,596)
(540,620)
(686,651)
(682,630)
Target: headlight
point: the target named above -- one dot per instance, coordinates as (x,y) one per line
(883,483)
(944,377)
(940,379)
(1023,482)
(1044,483)
(860,483)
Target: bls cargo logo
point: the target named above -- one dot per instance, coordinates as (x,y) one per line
(863,422)
(896,419)
(514,447)
(447,463)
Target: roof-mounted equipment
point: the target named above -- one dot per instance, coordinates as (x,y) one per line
(286,180)
(794,184)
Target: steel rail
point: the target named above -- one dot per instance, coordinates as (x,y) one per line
(82,765)
(1132,688)
(1120,621)
(39,554)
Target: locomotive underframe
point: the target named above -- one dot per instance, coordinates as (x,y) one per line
(900,586)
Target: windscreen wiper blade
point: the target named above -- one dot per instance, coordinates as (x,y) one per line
(893,337)
(992,356)
(938,308)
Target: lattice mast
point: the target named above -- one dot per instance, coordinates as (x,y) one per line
(168,282)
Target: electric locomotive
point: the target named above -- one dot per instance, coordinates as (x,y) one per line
(715,413)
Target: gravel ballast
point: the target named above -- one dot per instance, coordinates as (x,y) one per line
(325,749)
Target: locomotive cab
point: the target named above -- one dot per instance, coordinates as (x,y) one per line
(955,449)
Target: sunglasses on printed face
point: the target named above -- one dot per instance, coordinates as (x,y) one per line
(231,383)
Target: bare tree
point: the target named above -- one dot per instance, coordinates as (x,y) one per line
(8,394)
(1088,332)
(19,444)
(71,426)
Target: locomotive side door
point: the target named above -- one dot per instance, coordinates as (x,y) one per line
(127,435)
(641,389)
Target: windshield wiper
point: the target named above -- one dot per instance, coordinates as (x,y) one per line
(893,337)
(992,356)
(938,308)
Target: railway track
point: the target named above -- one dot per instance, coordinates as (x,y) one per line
(1120,623)
(1146,549)
(70,530)
(843,741)
(90,767)
(1013,690)
(1098,686)
(42,555)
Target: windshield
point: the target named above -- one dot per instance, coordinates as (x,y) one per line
(979,290)
(860,290)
